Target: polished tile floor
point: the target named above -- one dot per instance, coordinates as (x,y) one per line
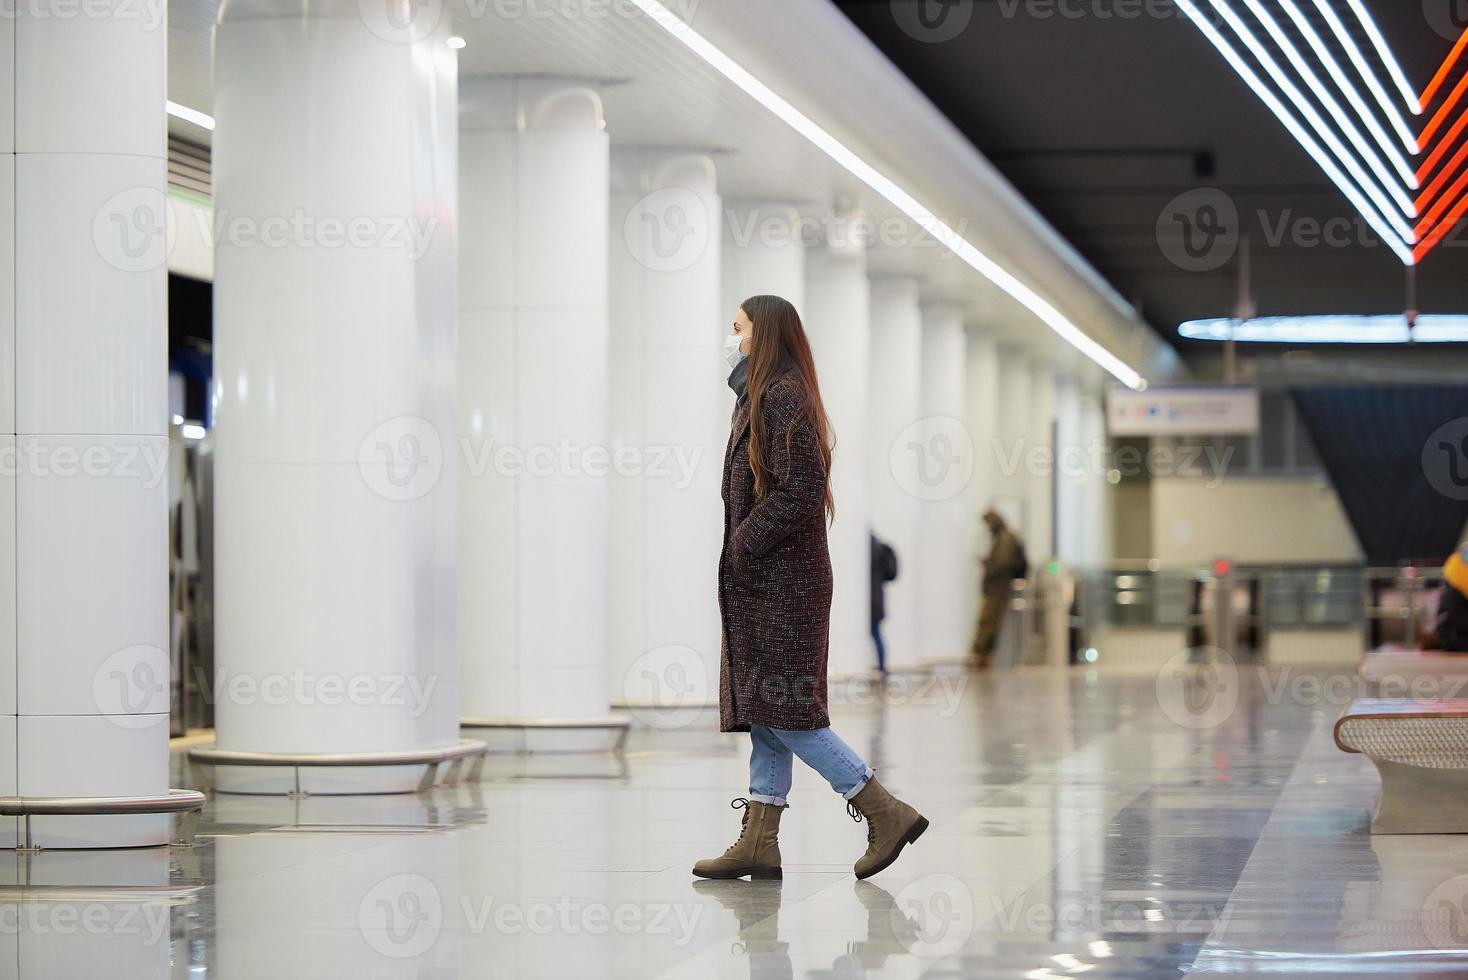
(1084,824)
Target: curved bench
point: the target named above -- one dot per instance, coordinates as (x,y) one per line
(1415,674)
(186,801)
(457,754)
(1420,748)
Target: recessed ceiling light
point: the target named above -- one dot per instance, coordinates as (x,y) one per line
(190,115)
(457,42)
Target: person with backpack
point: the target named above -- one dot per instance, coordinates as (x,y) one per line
(1005,563)
(884,570)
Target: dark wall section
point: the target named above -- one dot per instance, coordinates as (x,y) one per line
(1398,457)
(191,340)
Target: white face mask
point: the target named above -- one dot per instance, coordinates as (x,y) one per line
(732,354)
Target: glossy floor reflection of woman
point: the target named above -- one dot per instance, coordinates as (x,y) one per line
(775,599)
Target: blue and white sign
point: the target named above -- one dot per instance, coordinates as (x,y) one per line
(1198,410)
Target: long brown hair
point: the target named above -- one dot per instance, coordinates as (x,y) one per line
(779,346)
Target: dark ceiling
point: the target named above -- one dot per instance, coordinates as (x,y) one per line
(1102,112)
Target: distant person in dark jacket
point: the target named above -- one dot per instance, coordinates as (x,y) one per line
(1005,563)
(884,570)
(1452,604)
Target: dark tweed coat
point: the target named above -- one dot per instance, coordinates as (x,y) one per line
(775,574)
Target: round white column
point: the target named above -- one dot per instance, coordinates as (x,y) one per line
(668,407)
(334,190)
(982,417)
(533,399)
(1096,492)
(1011,453)
(943,556)
(1070,472)
(1039,534)
(894,465)
(762,254)
(837,304)
(83,417)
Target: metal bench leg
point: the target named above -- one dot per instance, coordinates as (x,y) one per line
(455,774)
(29,845)
(476,769)
(188,826)
(430,776)
(1417,800)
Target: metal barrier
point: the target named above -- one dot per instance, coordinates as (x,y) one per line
(186,801)
(458,755)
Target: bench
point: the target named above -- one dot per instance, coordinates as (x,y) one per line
(457,756)
(1420,748)
(186,801)
(1392,673)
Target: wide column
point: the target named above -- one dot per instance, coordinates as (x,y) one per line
(837,305)
(533,399)
(946,445)
(1070,472)
(982,416)
(1011,454)
(897,456)
(83,417)
(1096,492)
(669,417)
(335,453)
(1039,530)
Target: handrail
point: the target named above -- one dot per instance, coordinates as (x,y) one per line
(186,801)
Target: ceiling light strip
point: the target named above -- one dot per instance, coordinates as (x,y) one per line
(190,115)
(891,191)
(1443,176)
(1364,149)
(1442,147)
(1439,232)
(1429,220)
(1332,65)
(1443,72)
(1384,52)
(1384,207)
(1353,51)
(1301,135)
(1441,115)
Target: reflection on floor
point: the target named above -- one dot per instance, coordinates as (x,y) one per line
(1083,825)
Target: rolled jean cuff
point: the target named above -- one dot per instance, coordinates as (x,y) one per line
(861,785)
(769,800)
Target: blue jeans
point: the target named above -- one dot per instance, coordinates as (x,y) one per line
(771,762)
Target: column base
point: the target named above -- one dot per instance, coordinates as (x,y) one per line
(378,777)
(607,734)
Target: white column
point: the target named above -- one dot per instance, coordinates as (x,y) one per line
(532,399)
(762,255)
(83,416)
(1010,454)
(947,467)
(1040,535)
(1070,477)
(668,413)
(334,186)
(982,410)
(837,305)
(1096,499)
(894,465)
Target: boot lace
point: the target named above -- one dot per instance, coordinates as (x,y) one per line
(740,803)
(856,814)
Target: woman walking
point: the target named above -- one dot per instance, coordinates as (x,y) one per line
(775,599)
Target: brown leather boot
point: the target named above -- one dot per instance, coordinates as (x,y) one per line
(891,826)
(757,851)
